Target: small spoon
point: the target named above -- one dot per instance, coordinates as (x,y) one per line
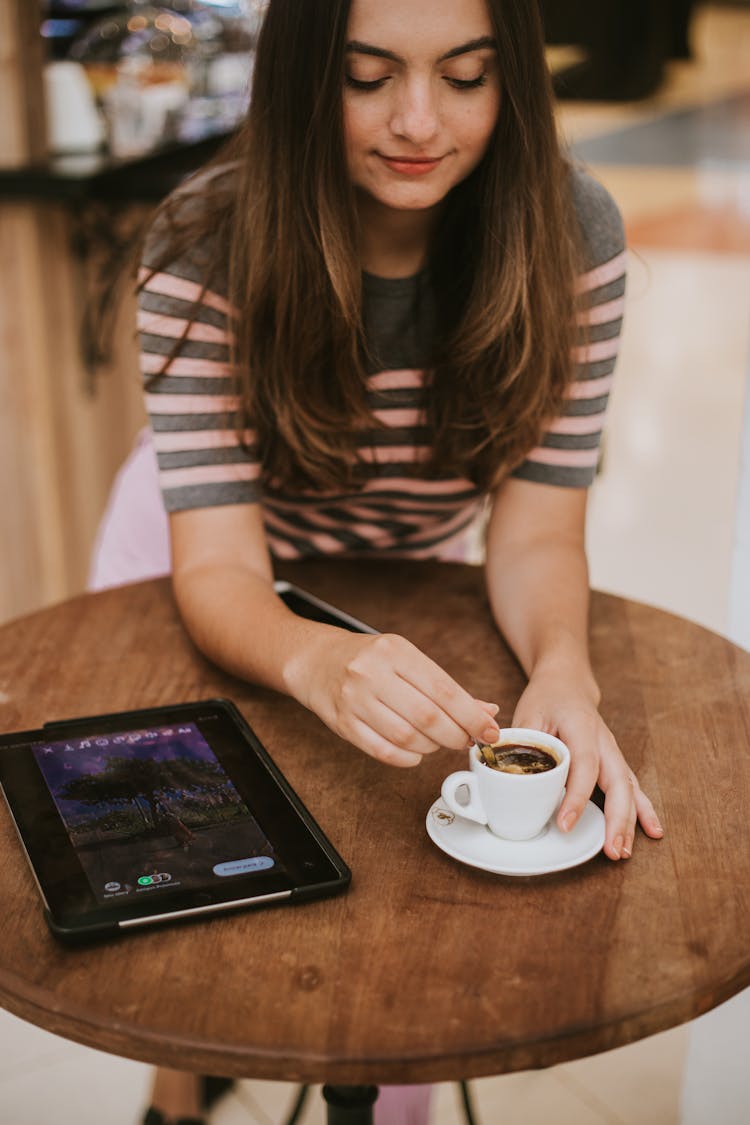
(487,753)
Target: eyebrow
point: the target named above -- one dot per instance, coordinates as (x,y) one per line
(358,48)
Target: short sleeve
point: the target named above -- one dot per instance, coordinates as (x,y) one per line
(568,454)
(192,402)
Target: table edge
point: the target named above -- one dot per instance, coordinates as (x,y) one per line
(128,1041)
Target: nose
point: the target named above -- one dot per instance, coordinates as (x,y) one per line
(416,116)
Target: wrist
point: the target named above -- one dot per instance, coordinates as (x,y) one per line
(307,655)
(570,671)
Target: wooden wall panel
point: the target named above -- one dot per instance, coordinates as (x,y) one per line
(60,445)
(29,523)
(23,125)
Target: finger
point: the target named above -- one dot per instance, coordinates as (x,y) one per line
(365,738)
(619,816)
(614,772)
(400,728)
(532,717)
(418,713)
(427,677)
(532,720)
(379,678)
(646,814)
(582,776)
(583,769)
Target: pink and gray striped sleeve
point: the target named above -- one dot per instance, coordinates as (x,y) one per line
(568,454)
(193,401)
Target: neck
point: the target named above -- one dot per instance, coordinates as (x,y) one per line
(393,243)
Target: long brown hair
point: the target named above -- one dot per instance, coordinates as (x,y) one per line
(502,262)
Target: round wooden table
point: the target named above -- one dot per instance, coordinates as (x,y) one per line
(426,970)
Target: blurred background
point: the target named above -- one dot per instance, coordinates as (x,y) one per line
(105,107)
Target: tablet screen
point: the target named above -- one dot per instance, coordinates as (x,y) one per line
(147,815)
(152,810)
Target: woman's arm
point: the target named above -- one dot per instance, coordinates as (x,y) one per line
(379,692)
(537,578)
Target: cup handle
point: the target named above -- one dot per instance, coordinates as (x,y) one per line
(473,810)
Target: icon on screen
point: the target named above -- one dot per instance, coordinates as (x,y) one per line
(112,887)
(243,866)
(150,880)
(102,742)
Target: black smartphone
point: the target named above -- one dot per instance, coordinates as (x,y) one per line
(157,815)
(315,609)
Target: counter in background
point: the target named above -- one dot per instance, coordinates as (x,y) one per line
(71,399)
(96,176)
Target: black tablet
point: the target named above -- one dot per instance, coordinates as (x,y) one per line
(151,816)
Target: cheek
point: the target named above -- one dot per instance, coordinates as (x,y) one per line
(352,142)
(476,129)
(360,127)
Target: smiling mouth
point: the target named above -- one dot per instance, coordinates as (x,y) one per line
(411,165)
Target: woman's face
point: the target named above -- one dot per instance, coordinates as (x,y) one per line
(421,97)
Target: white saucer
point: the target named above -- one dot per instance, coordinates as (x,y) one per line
(473,843)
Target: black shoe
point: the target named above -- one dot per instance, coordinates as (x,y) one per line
(213,1089)
(154,1116)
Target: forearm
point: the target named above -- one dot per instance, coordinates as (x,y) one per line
(539,595)
(378,692)
(537,579)
(236,619)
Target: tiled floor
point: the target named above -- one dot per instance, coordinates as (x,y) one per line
(670,525)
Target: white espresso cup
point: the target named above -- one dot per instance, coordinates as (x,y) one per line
(514,806)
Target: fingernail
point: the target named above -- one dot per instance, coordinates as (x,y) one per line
(626,851)
(568,821)
(495,708)
(657,827)
(617,846)
(491,734)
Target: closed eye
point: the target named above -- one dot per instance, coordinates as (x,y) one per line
(361,84)
(467,83)
(378,83)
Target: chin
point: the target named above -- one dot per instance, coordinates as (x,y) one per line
(410,198)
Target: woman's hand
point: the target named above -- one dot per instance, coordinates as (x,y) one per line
(563,709)
(386,697)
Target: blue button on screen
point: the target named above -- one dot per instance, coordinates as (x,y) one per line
(242,866)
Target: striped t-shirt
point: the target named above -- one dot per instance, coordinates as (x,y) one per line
(203,463)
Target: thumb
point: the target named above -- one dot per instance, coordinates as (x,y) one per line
(530,718)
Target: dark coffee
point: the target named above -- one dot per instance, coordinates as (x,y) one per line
(514,758)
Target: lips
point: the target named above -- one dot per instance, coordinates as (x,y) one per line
(411,165)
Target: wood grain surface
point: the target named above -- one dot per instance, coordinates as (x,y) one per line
(23,121)
(426,969)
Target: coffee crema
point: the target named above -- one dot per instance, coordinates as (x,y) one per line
(516,758)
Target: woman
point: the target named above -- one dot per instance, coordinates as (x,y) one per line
(390,303)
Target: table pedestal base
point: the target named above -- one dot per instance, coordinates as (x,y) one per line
(350,1105)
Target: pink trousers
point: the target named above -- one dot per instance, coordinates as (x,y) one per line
(132,545)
